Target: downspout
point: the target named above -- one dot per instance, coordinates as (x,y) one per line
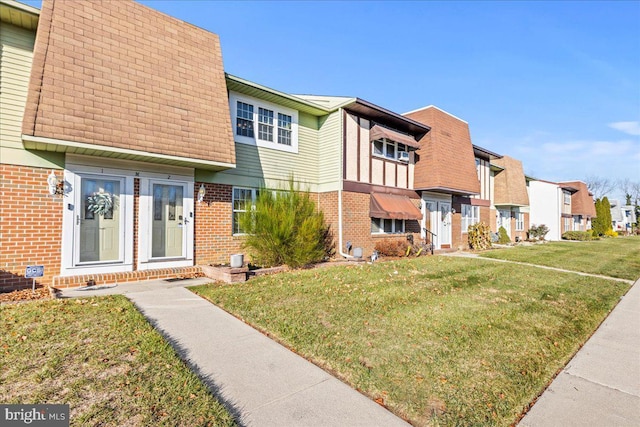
(342,160)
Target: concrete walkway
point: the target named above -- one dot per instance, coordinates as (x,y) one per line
(264,384)
(261,382)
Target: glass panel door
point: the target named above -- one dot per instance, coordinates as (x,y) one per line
(431,221)
(445,223)
(99,221)
(168,232)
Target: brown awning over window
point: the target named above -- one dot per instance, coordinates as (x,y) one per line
(392,206)
(377,132)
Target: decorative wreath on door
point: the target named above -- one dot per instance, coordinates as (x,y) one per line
(100,203)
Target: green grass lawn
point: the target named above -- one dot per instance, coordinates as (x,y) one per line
(102,358)
(618,257)
(438,340)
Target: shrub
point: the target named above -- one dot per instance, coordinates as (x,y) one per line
(285,228)
(479,236)
(503,237)
(611,233)
(391,247)
(577,235)
(538,233)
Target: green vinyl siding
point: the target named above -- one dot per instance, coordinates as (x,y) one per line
(330,152)
(16,55)
(260,166)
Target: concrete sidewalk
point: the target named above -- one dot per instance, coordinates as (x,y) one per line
(600,386)
(264,384)
(261,382)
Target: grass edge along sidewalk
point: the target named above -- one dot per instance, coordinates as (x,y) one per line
(436,340)
(613,257)
(105,360)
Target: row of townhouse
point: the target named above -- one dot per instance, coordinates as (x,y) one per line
(127,153)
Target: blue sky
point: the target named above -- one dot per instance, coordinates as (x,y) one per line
(555,84)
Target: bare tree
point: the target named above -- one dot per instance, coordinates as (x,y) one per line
(599,186)
(631,190)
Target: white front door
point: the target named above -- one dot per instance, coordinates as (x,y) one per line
(445,223)
(99,221)
(504,220)
(168,236)
(438,221)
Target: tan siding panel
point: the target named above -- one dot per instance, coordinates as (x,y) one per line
(352,148)
(377,166)
(365,150)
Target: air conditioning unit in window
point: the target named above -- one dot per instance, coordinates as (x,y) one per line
(403,156)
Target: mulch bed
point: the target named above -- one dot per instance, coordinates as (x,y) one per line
(25,295)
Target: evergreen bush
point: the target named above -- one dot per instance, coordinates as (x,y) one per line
(503,237)
(285,228)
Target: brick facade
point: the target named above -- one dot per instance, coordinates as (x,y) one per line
(213,235)
(30,225)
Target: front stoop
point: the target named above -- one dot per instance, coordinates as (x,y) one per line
(126,276)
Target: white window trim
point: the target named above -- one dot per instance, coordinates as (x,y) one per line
(254,192)
(385,143)
(394,226)
(257,103)
(567,198)
(472,219)
(519,221)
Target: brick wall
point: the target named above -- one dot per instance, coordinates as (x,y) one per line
(30,225)
(213,234)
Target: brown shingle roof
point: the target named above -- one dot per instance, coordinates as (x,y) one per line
(446,158)
(510,184)
(581,201)
(121,75)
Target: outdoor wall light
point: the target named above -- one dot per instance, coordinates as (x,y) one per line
(52,183)
(453,211)
(201,193)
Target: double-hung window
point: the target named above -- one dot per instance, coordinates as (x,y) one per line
(567,198)
(264,124)
(284,129)
(244,119)
(470,216)
(244,199)
(386,226)
(520,221)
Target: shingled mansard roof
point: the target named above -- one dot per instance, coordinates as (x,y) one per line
(116,77)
